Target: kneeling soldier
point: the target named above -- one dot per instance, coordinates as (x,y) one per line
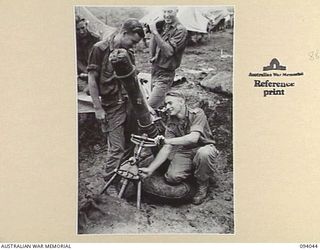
(188,143)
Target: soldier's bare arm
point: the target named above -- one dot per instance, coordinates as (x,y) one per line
(185,140)
(161,157)
(94,93)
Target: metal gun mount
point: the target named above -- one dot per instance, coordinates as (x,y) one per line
(129,170)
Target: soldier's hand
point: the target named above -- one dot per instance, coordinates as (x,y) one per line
(152,111)
(83,76)
(159,140)
(145,172)
(153,28)
(100,114)
(152,59)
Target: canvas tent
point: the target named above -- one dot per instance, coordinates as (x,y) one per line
(190,17)
(195,19)
(217,13)
(94,25)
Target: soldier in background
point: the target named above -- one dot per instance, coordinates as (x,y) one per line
(85,40)
(167,46)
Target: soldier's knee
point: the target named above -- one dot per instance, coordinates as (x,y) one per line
(172,179)
(116,150)
(207,153)
(203,152)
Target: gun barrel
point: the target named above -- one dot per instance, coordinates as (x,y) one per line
(124,68)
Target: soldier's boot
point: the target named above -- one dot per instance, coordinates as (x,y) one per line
(201,193)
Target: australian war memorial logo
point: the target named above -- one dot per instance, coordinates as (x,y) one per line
(274,65)
(274,79)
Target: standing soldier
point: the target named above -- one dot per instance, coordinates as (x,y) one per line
(112,109)
(166,46)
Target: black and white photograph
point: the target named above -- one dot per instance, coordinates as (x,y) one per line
(155,119)
(159,122)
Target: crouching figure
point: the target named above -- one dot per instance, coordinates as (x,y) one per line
(188,144)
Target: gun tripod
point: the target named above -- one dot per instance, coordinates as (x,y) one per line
(129,170)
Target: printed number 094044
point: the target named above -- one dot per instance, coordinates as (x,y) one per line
(308,245)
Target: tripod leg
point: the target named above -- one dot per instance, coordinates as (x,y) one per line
(139,195)
(108,183)
(123,187)
(108,174)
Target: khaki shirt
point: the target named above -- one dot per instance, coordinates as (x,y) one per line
(110,88)
(175,34)
(194,121)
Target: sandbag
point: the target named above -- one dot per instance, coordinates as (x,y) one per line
(157,187)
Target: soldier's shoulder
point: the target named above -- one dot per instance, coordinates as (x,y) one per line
(180,26)
(195,110)
(196,114)
(94,36)
(103,45)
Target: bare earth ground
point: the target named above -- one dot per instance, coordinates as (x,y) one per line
(106,214)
